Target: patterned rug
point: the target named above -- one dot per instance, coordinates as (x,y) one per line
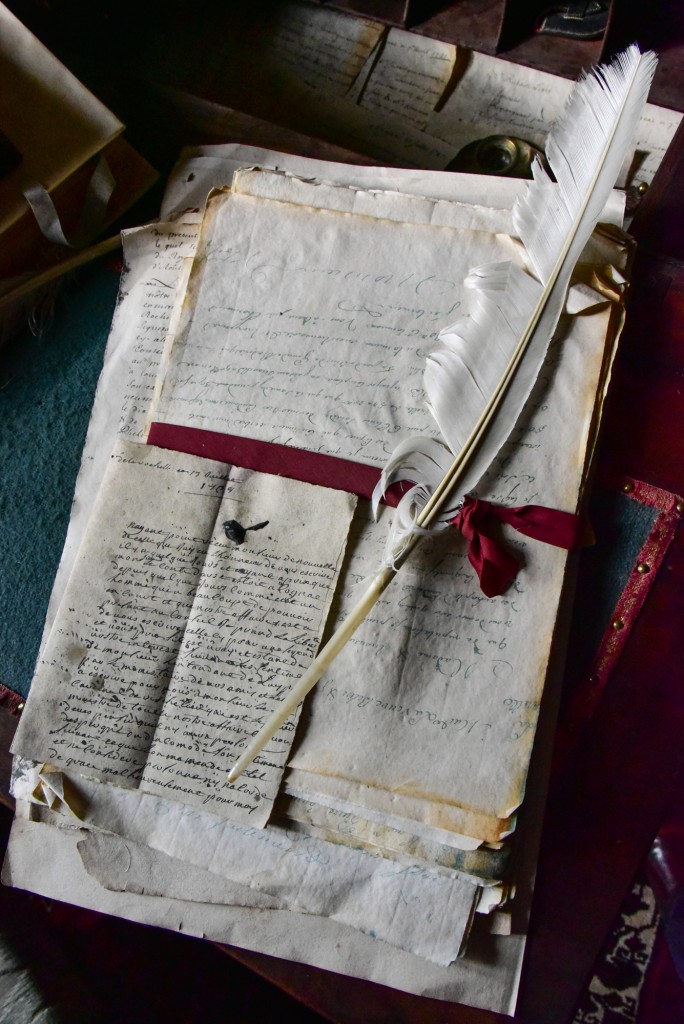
(612,996)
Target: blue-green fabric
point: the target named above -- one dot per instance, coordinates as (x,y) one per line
(622,526)
(47,383)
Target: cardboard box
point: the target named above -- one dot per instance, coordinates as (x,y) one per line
(59,131)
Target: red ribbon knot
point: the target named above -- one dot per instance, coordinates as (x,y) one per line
(495,566)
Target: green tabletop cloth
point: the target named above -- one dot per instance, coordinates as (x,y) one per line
(47,384)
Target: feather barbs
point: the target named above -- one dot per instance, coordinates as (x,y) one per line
(481,373)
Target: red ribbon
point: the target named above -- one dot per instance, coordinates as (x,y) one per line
(495,566)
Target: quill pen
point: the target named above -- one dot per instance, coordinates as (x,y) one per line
(478,379)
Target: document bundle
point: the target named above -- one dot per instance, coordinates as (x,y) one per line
(265,359)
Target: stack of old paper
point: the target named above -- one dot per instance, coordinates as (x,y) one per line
(270,349)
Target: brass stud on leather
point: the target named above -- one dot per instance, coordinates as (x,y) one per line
(643,568)
(628,487)
(617,624)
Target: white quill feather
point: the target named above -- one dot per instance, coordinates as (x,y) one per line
(481,375)
(478,379)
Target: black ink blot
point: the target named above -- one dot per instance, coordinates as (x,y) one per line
(236,531)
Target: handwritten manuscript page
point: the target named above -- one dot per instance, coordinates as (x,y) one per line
(409,77)
(496,97)
(284,328)
(153,258)
(162,660)
(304,326)
(323,50)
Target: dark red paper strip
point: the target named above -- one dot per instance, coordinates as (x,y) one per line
(266,457)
